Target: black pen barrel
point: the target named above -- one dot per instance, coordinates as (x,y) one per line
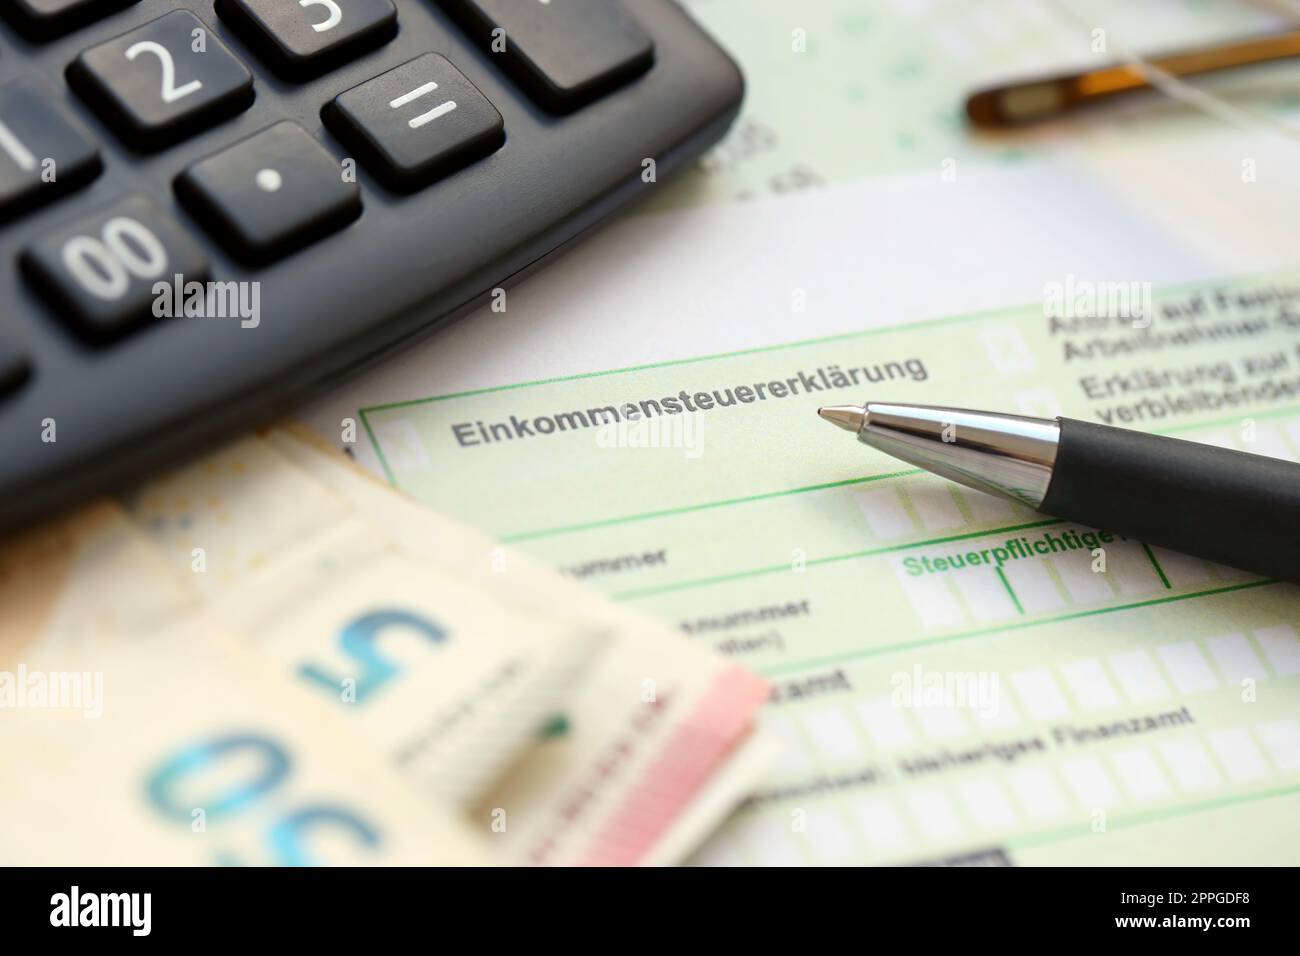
(1231,507)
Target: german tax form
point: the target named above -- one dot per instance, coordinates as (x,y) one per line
(957,679)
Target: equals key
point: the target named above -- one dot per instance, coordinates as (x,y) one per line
(417,123)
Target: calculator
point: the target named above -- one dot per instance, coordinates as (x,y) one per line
(210,209)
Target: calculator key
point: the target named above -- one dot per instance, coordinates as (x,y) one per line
(46,18)
(100,271)
(417,122)
(271,193)
(164,80)
(310,36)
(15,364)
(42,151)
(564,53)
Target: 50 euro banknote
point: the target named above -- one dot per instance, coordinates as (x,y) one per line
(566,728)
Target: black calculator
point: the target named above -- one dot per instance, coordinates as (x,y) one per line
(209,209)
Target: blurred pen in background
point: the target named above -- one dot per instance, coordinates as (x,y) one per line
(1033,101)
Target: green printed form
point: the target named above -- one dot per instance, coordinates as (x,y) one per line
(957,678)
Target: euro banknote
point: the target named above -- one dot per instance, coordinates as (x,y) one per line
(443,679)
(623,743)
(654,722)
(143,732)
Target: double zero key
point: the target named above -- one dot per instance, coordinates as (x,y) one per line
(101,270)
(163,81)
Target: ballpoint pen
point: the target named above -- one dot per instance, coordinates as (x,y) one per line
(1226,506)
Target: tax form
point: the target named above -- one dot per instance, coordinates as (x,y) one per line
(642,415)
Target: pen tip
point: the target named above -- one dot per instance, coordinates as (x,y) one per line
(848,417)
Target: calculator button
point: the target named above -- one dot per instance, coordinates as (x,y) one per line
(100,271)
(14,364)
(564,53)
(271,193)
(310,36)
(51,17)
(164,80)
(417,122)
(42,151)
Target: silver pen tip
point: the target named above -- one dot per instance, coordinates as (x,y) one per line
(848,417)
